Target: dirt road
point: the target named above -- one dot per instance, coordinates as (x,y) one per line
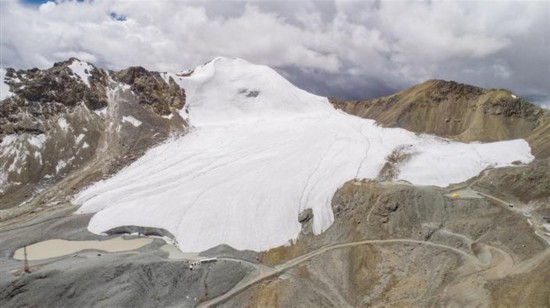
(301,259)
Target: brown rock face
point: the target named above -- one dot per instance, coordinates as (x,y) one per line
(43,94)
(526,184)
(539,139)
(461,112)
(152,89)
(57,85)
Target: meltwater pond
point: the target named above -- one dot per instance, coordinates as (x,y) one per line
(57,248)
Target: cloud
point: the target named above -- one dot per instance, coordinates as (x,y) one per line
(346,49)
(47,7)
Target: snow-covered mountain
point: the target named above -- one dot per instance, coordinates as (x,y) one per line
(260,151)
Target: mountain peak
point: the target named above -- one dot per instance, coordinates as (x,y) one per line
(442,89)
(235,90)
(458,89)
(459,111)
(72,61)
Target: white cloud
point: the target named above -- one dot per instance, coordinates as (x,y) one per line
(400,43)
(47,7)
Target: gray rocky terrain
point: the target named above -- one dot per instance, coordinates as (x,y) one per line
(144,278)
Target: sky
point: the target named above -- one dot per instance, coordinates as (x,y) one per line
(345,49)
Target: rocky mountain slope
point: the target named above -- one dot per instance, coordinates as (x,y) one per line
(72,124)
(460,112)
(413,246)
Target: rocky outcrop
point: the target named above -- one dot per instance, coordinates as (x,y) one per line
(526,184)
(44,90)
(40,95)
(152,90)
(461,112)
(305,216)
(539,138)
(145,231)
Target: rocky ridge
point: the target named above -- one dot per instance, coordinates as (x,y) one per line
(460,112)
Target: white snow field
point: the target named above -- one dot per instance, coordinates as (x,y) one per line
(259,152)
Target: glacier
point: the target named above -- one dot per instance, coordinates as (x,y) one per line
(258,152)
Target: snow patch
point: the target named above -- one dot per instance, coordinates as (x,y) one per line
(79,138)
(248,167)
(4,87)
(130,119)
(442,163)
(513,96)
(63,124)
(101,112)
(82,69)
(9,140)
(165,77)
(62,164)
(38,156)
(37,141)
(14,144)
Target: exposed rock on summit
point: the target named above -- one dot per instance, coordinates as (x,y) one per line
(47,89)
(152,89)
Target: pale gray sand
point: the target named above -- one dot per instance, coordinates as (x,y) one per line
(175,254)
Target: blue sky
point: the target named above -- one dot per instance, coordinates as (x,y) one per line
(346,49)
(34,1)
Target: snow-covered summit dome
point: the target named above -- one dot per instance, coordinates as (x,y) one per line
(227,90)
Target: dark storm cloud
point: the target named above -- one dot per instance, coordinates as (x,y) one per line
(338,85)
(346,49)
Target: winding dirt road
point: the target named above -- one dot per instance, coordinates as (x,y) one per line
(301,259)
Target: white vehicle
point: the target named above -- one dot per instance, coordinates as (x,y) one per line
(209,260)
